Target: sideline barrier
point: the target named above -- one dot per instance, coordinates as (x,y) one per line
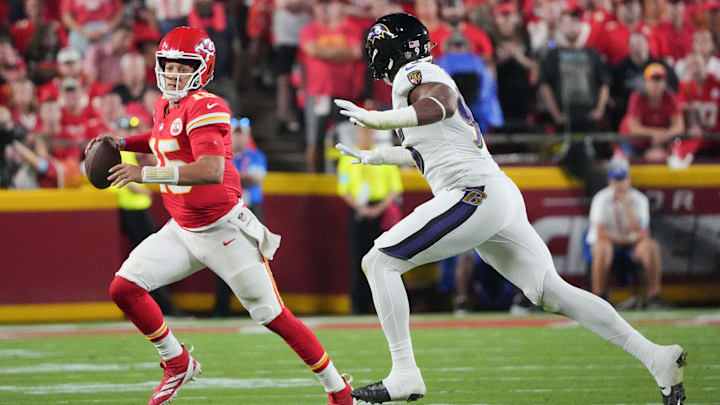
(62,247)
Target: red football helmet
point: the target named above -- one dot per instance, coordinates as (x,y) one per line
(188,45)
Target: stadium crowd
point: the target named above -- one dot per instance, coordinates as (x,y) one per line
(71,69)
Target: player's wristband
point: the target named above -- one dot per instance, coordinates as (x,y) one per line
(162,175)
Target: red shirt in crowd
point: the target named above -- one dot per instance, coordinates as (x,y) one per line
(86,11)
(611,40)
(323,77)
(479,41)
(704,100)
(76,129)
(23,30)
(658,116)
(51,89)
(199,125)
(679,42)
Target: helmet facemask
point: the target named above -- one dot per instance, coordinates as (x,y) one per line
(194,81)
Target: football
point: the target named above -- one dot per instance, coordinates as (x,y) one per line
(100,158)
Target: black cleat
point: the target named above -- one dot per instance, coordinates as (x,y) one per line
(675,395)
(377,393)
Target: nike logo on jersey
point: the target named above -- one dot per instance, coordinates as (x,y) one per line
(209,106)
(228,242)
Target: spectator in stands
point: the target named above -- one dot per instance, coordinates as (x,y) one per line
(574,84)
(90,21)
(545,25)
(516,71)
(619,227)
(78,121)
(611,39)
(24,160)
(654,114)
(627,75)
(475,81)
(102,61)
(209,16)
(132,76)
(23,31)
(702,46)
(42,50)
(12,68)
(169,13)
(677,31)
(258,27)
(428,12)
(370,192)
(49,137)
(251,163)
(331,46)
(69,64)
(23,104)
(700,97)
(288,19)
(454,15)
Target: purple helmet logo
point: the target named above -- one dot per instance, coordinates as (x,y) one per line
(379,31)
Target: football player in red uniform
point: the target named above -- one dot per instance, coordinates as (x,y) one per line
(210,226)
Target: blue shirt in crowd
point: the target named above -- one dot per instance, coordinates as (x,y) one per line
(251,161)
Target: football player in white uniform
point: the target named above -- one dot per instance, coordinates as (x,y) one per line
(475,206)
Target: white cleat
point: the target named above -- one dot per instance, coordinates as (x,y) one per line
(405,385)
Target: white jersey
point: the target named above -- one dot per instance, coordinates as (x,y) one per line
(605,210)
(450,153)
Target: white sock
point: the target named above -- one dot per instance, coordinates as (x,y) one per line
(330,378)
(168,347)
(597,315)
(402,355)
(393,309)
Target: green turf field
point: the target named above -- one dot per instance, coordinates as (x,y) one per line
(470,360)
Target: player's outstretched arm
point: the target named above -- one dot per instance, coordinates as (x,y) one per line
(207,169)
(430,103)
(396,155)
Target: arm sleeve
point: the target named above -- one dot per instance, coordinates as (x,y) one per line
(207,140)
(138,142)
(596,210)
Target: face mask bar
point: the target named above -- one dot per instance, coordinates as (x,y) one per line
(195,78)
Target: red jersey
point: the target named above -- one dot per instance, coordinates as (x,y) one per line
(76,129)
(23,30)
(337,79)
(85,11)
(649,116)
(611,40)
(479,41)
(679,42)
(703,100)
(199,125)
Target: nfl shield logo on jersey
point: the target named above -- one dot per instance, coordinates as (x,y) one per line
(176,127)
(415,77)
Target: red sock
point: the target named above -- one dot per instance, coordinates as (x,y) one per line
(139,307)
(301,339)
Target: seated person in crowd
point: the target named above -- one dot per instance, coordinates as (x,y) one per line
(700,98)
(619,227)
(627,76)
(653,113)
